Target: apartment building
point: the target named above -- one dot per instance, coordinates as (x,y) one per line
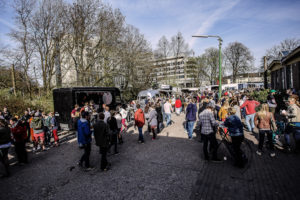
(171,71)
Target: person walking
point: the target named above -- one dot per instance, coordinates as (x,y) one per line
(191,116)
(101,134)
(224,112)
(168,110)
(85,138)
(106,114)
(178,105)
(250,105)
(272,102)
(159,117)
(46,128)
(293,117)
(25,120)
(139,121)
(5,143)
(263,121)
(54,128)
(19,133)
(208,127)
(114,130)
(123,113)
(153,120)
(119,123)
(235,129)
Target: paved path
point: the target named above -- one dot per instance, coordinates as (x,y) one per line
(168,168)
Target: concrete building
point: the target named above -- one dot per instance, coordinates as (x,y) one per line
(256,77)
(172,71)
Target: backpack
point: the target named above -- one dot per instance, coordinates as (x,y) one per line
(139,118)
(37,124)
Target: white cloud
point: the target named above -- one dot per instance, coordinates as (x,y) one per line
(211,20)
(7,24)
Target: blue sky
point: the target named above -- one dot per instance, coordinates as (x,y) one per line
(258,24)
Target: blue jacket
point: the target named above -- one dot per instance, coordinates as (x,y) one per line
(191,112)
(234,125)
(84,133)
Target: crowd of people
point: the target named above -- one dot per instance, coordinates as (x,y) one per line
(34,127)
(234,112)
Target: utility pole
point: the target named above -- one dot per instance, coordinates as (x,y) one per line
(13,78)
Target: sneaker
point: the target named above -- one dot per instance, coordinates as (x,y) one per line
(258,152)
(34,150)
(79,164)
(88,169)
(272,154)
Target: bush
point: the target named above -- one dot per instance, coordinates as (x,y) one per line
(17,104)
(261,95)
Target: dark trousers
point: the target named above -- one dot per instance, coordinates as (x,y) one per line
(211,138)
(86,155)
(236,145)
(4,159)
(262,134)
(47,135)
(153,132)
(21,152)
(114,142)
(103,152)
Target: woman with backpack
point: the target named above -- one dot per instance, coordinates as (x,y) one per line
(263,121)
(139,119)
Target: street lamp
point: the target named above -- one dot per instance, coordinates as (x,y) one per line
(220,64)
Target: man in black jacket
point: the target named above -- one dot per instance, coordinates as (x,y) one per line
(101,134)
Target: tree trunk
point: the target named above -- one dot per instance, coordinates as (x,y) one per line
(13,78)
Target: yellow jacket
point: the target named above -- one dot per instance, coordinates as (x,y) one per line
(223,112)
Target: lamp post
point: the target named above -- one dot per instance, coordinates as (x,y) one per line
(220,63)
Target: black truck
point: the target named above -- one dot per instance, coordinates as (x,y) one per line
(65,99)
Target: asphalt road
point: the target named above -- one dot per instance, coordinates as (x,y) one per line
(170,167)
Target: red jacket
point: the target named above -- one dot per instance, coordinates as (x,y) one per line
(250,106)
(19,132)
(178,103)
(139,118)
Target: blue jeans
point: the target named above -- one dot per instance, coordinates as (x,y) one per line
(168,118)
(190,128)
(247,120)
(141,137)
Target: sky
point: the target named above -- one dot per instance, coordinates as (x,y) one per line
(258,24)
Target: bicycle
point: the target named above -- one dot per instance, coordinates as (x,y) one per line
(245,147)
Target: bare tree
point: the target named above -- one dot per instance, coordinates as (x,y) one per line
(178,48)
(136,60)
(163,48)
(285,45)
(22,56)
(211,56)
(238,59)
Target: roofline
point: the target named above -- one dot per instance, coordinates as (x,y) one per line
(296,50)
(273,63)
